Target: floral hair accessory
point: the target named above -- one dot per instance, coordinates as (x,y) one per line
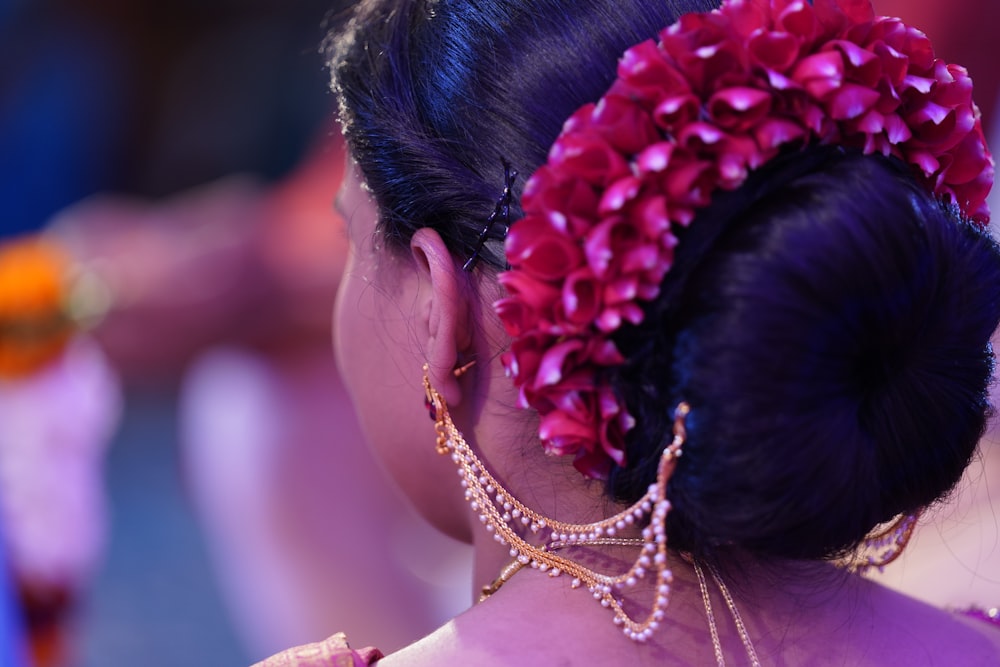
(721,94)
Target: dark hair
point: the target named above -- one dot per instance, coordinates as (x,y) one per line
(829,325)
(435,94)
(828,322)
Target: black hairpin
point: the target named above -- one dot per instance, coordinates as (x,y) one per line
(502,209)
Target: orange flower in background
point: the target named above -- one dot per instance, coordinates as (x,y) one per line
(34,327)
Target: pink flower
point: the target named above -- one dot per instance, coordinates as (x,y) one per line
(772,50)
(529,304)
(644,74)
(676,111)
(581,297)
(739,108)
(541,249)
(624,124)
(703,51)
(589,157)
(720,95)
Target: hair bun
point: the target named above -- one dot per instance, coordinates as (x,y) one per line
(834,346)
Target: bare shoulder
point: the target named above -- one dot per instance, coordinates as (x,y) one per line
(438,648)
(927,635)
(986,635)
(460,641)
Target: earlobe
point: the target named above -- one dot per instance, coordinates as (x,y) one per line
(444,311)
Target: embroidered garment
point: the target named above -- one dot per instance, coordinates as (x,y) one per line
(332,652)
(991,615)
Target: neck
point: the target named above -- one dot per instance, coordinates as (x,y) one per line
(546,486)
(782,608)
(772,599)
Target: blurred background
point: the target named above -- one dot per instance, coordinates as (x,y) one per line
(184,482)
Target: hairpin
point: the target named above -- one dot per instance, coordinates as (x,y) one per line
(502,209)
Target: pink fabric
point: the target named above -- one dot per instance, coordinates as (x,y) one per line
(332,652)
(991,615)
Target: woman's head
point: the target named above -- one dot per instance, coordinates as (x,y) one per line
(828,321)
(434,97)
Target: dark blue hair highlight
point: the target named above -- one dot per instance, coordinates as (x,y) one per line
(435,95)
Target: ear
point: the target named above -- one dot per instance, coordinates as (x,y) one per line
(443,310)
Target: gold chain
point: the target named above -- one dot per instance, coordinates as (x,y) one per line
(500,512)
(737,618)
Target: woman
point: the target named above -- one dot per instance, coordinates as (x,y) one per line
(735,339)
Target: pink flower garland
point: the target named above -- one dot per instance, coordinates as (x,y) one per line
(721,94)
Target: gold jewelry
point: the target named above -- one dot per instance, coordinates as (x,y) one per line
(883,545)
(737,618)
(515,566)
(499,512)
(509,571)
(462,370)
(712,627)
(600,542)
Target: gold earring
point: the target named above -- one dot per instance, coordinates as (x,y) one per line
(505,517)
(884,545)
(461,370)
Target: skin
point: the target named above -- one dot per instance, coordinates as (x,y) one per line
(397,310)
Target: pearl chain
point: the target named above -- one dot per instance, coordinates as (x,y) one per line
(503,516)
